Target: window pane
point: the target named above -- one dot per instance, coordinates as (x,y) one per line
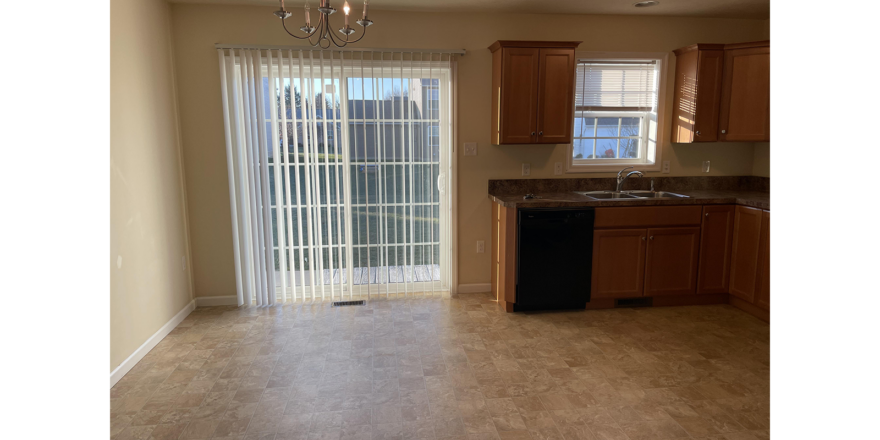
(630,126)
(608,127)
(629,148)
(584,127)
(606,148)
(583,148)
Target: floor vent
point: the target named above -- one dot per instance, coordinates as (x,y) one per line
(349,303)
(634,302)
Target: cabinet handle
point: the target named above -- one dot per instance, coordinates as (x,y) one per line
(698,132)
(707,214)
(643,238)
(723,131)
(652,237)
(540,133)
(533,133)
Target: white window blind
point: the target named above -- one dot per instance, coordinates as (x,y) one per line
(336,163)
(616,85)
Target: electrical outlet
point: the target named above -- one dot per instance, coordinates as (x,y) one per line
(705,166)
(470,148)
(119,261)
(183,262)
(665,167)
(481,246)
(557,169)
(526,169)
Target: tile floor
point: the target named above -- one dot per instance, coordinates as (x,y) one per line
(459,368)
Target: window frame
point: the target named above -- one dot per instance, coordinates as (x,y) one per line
(647,163)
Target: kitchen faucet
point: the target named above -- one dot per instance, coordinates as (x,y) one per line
(620,179)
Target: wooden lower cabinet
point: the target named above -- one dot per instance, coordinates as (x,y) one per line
(744,254)
(762,284)
(671,261)
(618,263)
(716,239)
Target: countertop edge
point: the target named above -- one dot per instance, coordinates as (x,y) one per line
(638,202)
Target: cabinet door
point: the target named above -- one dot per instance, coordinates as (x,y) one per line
(745,100)
(762,284)
(555,95)
(618,263)
(744,255)
(697,94)
(671,261)
(716,239)
(519,95)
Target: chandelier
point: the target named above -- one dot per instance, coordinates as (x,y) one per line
(324,33)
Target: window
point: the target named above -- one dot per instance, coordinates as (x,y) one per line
(616,112)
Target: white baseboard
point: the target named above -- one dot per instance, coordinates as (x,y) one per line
(205,301)
(145,348)
(474,288)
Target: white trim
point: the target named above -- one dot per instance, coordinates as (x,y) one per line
(663,70)
(151,342)
(347,49)
(207,301)
(474,288)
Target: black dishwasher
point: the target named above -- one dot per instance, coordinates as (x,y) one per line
(554,258)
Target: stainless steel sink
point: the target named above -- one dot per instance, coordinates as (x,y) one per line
(605,194)
(655,194)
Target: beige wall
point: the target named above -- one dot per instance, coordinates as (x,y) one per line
(761,160)
(198,27)
(147,204)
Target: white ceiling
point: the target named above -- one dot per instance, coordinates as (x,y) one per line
(690,8)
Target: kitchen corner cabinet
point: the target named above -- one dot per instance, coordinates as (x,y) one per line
(745,94)
(697,94)
(715,247)
(762,284)
(722,93)
(745,251)
(532,92)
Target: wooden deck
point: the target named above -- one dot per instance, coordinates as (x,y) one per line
(372,275)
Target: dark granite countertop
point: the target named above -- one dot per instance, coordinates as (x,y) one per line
(756,199)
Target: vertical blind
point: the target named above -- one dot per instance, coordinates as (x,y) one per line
(615,85)
(337,166)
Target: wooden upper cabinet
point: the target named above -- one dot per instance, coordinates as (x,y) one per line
(532,92)
(762,283)
(715,248)
(745,251)
(722,93)
(555,95)
(671,261)
(698,74)
(745,96)
(618,263)
(519,100)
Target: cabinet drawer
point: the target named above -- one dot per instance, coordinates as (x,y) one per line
(648,216)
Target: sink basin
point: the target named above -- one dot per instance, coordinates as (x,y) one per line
(606,195)
(656,194)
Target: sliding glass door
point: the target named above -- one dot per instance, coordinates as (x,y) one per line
(358,151)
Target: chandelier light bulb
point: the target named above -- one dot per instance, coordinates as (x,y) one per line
(308,18)
(346,8)
(366,5)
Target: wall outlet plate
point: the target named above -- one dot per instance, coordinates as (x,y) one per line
(526,169)
(705,166)
(557,169)
(481,246)
(665,167)
(470,148)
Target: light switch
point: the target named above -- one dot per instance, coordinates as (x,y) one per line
(705,166)
(470,148)
(526,169)
(481,246)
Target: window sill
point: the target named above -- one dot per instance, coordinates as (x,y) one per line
(610,168)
